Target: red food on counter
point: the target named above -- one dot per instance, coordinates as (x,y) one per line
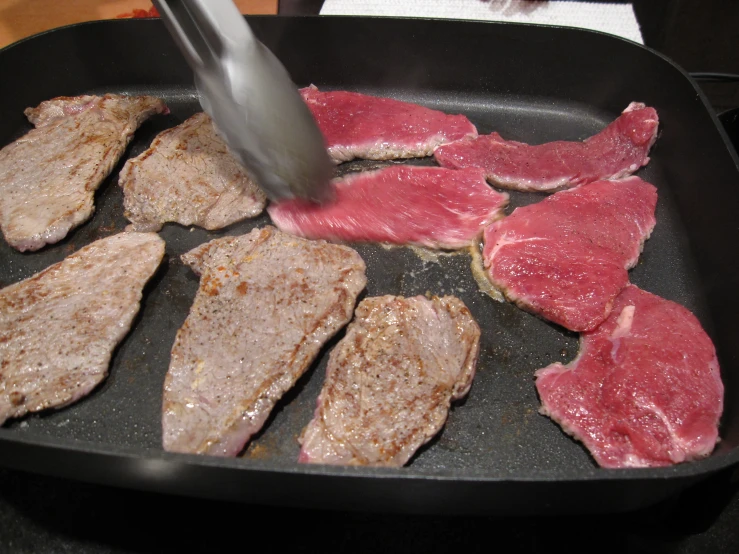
(138,13)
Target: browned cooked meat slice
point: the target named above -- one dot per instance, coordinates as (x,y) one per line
(267,303)
(59,327)
(391,380)
(188,176)
(49,176)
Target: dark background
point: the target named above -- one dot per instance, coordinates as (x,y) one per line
(700,35)
(44,514)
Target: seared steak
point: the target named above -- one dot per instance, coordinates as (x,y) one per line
(374,128)
(48,177)
(645,389)
(267,303)
(424,206)
(59,327)
(391,379)
(617,151)
(188,176)
(566,257)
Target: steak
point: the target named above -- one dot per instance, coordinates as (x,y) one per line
(358,125)
(391,379)
(59,327)
(617,151)
(189,177)
(423,206)
(48,177)
(267,303)
(566,257)
(645,389)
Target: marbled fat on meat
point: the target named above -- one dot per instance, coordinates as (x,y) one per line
(404,205)
(617,151)
(566,257)
(266,305)
(358,125)
(645,389)
(189,177)
(58,328)
(49,176)
(390,381)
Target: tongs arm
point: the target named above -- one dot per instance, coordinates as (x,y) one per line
(199,35)
(249,95)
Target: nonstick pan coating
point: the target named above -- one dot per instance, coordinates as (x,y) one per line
(496,454)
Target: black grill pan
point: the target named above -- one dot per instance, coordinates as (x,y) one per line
(496,453)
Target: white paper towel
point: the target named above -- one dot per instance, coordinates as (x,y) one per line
(616,19)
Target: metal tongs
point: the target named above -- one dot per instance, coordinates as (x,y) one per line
(251,99)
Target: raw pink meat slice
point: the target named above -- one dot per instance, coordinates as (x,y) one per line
(374,128)
(566,257)
(645,389)
(423,206)
(617,151)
